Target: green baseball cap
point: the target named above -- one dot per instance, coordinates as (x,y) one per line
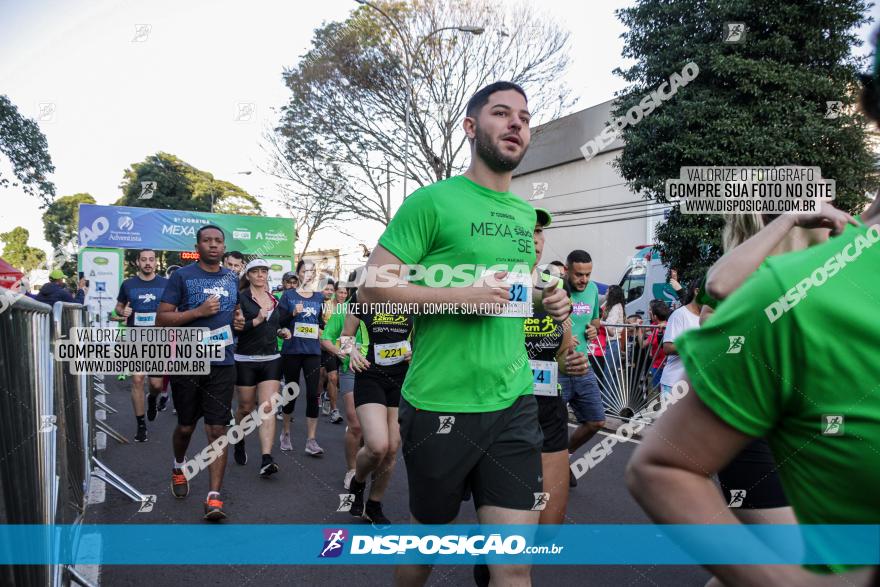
(56,274)
(544,217)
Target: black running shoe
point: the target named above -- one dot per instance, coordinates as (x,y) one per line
(163,402)
(141,435)
(373,513)
(151,407)
(481,575)
(240,453)
(269,467)
(357,488)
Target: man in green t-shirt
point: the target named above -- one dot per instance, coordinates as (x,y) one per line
(790,356)
(581,392)
(468,419)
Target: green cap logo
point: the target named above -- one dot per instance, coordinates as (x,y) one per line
(101,260)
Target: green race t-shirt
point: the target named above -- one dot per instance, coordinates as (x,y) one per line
(803,371)
(464,363)
(584,309)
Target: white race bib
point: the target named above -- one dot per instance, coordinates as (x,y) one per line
(222,335)
(305,330)
(145,318)
(544,377)
(520,305)
(391,353)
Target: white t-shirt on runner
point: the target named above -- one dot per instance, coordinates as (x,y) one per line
(679,322)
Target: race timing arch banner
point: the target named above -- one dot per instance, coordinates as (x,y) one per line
(175,230)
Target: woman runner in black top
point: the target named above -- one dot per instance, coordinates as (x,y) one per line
(258,363)
(378,380)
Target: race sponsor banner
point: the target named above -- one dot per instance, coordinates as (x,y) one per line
(103,269)
(175,230)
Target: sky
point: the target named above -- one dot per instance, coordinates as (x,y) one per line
(111,82)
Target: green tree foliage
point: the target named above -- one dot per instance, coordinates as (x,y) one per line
(61,218)
(27,150)
(18,253)
(180,186)
(61,226)
(759,102)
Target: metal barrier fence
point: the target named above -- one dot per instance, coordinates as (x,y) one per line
(27,429)
(48,449)
(625,370)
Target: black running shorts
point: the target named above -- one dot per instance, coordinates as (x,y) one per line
(553,417)
(329,361)
(377,388)
(208,396)
(754,470)
(250,373)
(496,455)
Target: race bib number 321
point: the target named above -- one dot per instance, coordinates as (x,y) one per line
(520,304)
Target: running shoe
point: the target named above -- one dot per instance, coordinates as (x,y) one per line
(269,467)
(163,402)
(120,378)
(141,435)
(279,415)
(325,404)
(214,509)
(335,417)
(357,488)
(481,575)
(151,407)
(373,513)
(348,477)
(179,484)
(240,453)
(312,448)
(285,442)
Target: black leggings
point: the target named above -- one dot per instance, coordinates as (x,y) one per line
(310,365)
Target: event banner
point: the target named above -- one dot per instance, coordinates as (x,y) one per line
(175,230)
(277,269)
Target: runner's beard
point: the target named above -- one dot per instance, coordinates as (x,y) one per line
(492,155)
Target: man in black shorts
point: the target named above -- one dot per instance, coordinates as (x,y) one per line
(468,419)
(136,306)
(203,294)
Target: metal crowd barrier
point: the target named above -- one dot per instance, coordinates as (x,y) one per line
(27,430)
(48,449)
(624,373)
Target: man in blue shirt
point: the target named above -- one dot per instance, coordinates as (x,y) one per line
(136,305)
(203,294)
(56,290)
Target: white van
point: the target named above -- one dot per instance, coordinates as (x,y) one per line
(644,279)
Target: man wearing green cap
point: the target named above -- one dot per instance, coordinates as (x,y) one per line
(56,291)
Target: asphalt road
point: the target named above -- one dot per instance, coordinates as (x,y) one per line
(305,491)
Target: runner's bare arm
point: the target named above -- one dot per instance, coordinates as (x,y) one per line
(670,475)
(386,282)
(351,325)
(731,270)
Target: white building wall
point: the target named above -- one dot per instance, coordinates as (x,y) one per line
(582,184)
